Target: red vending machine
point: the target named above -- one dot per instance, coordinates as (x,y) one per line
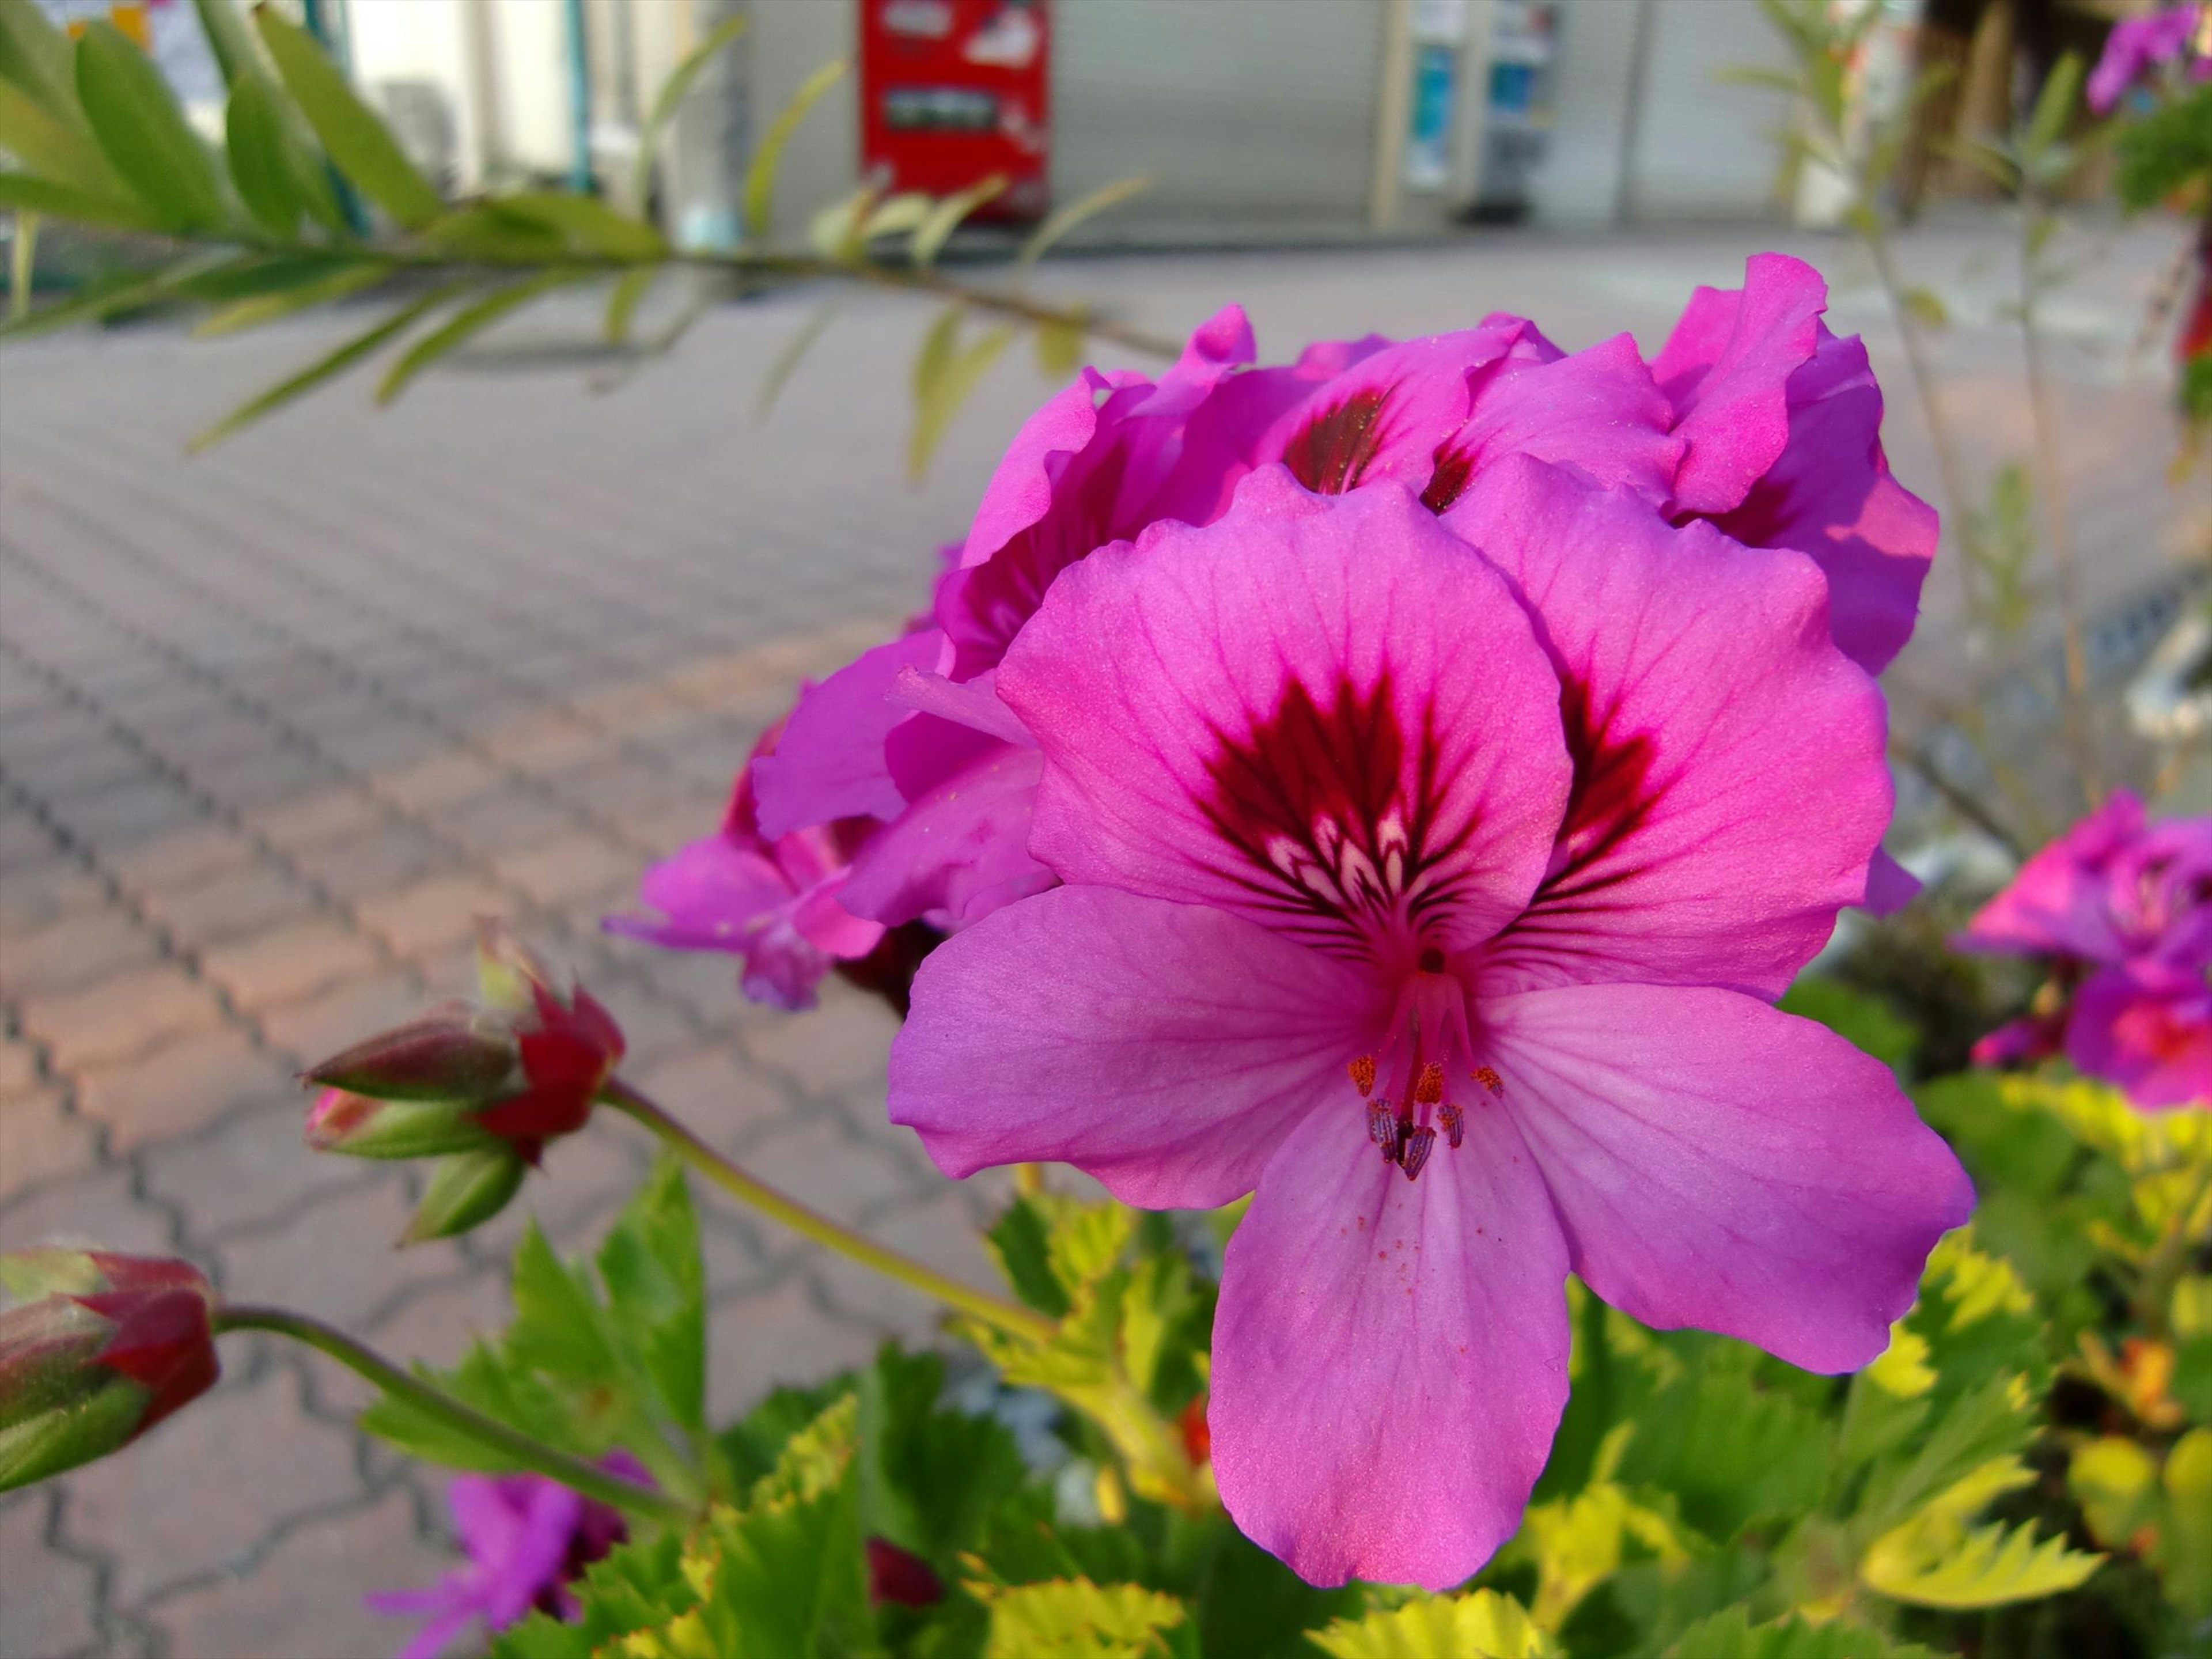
(952,91)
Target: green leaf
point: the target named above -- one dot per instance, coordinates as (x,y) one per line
(263,165)
(229,39)
(559,1327)
(2054,105)
(933,1477)
(622,300)
(1759,75)
(1925,305)
(657,1292)
(937,226)
(587,225)
(1075,1619)
(26,193)
(751,1445)
(1482,1625)
(2116,1482)
(2185,1549)
(1731,1635)
(1987,1567)
(1868,1022)
(54,147)
(760,176)
(1059,348)
(358,141)
(489,1383)
(36,59)
(142,132)
(787,359)
(1731,1452)
(22,264)
(1063,220)
(464,325)
(330,365)
(637,1587)
(944,375)
(96,299)
(675,89)
(284,299)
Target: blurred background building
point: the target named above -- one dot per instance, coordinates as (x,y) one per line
(1255,119)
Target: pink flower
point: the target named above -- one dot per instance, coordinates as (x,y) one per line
(1754,415)
(2122,910)
(773,902)
(1487,841)
(2138,46)
(527,1539)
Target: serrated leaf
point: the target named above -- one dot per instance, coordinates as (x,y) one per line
(657,1292)
(1987,1567)
(486,1381)
(675,89)
(464,325)
(1576,1542)
(54,148)
(1731,1452)
(2116,1482)
(760,174)
(36,60)
(936,226)
(142,131)
(28,193)
(635,1588)
(1063,220)
(2186,1549)
(1018,1239)
(358,142)
(1731,1635)
(559,1327)
(1075,1619)
(932,1477)
(1482,1625)
(287,298)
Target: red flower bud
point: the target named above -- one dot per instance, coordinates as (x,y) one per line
(101,1348)
(900,1577)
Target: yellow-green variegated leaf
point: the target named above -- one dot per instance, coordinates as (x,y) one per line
(1482,1625)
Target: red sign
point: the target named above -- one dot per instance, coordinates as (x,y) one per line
(952,91)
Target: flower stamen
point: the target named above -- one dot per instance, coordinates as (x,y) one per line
(1363,1074)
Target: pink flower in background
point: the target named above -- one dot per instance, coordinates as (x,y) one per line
(527,1539)
(2122,909)
(1433,876)
(773,902)
(2137,45)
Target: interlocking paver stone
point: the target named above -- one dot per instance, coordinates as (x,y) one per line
(283,718)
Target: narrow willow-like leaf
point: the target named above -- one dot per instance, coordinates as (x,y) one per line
(28,193)
(760,177)
(329,367)
(36,59)
(587,225)
(89,303)
(1068,218)
(22,263)
(142,131)
(254,127)
(629,291)
(2054,105)
(284,300)
(52,146)
(229,39)
(1059,349)
(787,359)
(469,320)
(675,89)
(359,143)
(944,377)
(936,229)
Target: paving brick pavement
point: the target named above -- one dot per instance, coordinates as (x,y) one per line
(276,721)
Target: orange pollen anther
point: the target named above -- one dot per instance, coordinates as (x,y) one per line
(1429,1087)
(1489,1080)
(1363,1074)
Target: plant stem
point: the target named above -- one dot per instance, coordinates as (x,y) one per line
(999,1314)
(640,1502)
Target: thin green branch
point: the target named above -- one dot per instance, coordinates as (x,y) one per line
(640,1502)
(999,1314)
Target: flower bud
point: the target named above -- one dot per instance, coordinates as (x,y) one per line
(466,1189)
(361,1127)
(99,1349)
(900,1577)
(521,1067)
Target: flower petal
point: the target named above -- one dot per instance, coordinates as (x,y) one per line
(961,849)
(1830,495)
(707,892)
(829,762)
(1727,367)
(1318,712)
(1389,1357)
(2147,1030)
(1165,1048)
(2059,902)
(1730,787)
(1719,1163)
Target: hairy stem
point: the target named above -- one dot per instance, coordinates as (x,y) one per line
(999,1314)
(639,1503)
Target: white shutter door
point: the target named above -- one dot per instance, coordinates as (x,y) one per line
(1705,148)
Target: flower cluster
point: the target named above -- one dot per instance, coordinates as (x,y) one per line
(2120,908)
(1398,784)
(2139,47)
